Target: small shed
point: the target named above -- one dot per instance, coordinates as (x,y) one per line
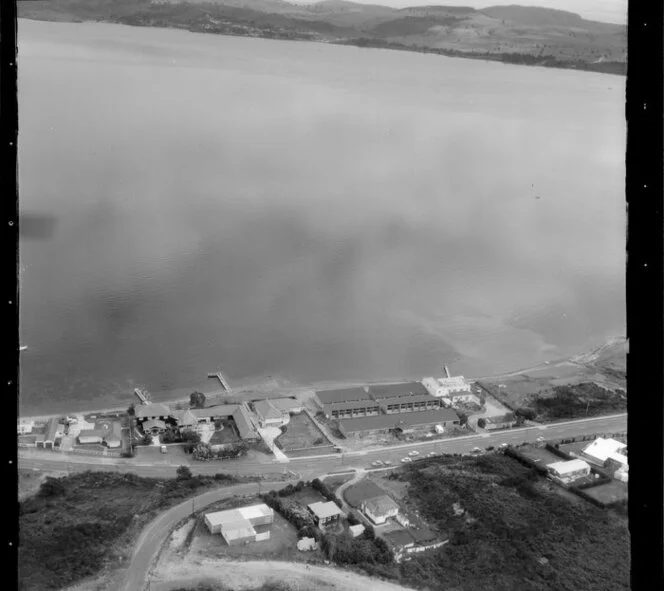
(356,530)
(325,513)
(307,544)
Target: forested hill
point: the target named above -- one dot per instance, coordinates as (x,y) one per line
(514,34)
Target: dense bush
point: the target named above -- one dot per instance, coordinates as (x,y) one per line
(183,473)
(481,423)
(585,399)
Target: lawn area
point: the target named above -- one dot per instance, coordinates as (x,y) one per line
(365,489)
(334,482)
(307,496)
(608,493)
(539,453)
(227,434)
(78,524)
(301,432)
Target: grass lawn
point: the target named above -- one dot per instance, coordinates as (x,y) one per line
(301,432)
(334,482)
(227,434)
(307,496)
(610,492)
(365,489)
(77,525)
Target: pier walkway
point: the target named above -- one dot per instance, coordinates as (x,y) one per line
(221,378)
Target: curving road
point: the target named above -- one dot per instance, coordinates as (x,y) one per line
(155,534)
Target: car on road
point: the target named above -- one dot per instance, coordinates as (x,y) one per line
(476,450)
(540,439)
(431,454)
(388,462)
(414,453)
(376,463)
(502,446)
(406,460)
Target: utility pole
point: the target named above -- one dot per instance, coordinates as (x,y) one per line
(587,407)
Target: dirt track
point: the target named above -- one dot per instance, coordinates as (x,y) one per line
(244,575)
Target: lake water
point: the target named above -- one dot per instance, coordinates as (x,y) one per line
(306,211)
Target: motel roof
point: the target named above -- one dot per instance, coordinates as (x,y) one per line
(569,466)
(392,421)
(381,505)
(220,410)
(325,510)
(243,422)
(506,418)
(185,417)
(391,390)
(267,410)
(415,398)
(601,448)
(155,409)
(96,432)
(285,404)
(51,429)
(230,519)
(351,405)
(256,511)
(344,395)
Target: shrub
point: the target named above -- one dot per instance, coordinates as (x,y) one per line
(353,518)
(190,436)
(197,400)
(481,423)
(51,487)
(319,441)
(146,439)
(183,473)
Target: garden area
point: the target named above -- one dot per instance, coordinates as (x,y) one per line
(301,433)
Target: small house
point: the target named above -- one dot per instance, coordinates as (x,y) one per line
(380,509)
(268,415)
(243,525)
(599,451)
(152,411)
(500,422)
(568,471)
(325,514)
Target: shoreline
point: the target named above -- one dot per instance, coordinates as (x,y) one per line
(290,389)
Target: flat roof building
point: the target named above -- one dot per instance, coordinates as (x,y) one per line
(568,471)
(325,513)
(237,526)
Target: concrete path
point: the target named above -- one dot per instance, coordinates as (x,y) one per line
(359,475)
(269,434)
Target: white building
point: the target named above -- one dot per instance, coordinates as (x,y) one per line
(307,544)
(25,426)
(569,471)
(600,450)
(237,526)
(455,388)
(356,530)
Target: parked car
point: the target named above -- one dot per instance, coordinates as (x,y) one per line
(406,460)
(414,453)
(377,463)
(388,462)
(431,454)
(164,449)
(502,446)
(476,450)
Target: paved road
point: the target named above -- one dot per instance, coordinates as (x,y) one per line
(309,467)
(156,533)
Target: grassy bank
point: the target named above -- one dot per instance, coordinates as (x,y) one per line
(79,525)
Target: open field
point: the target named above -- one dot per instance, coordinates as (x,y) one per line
(301,433)
(611,492)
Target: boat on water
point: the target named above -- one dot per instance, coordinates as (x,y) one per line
(23,348)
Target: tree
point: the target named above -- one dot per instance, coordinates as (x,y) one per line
(131,411)
(197,400)
(147,439)
(51,487)
(481,423)
(190,436)
(369,532)
(183,473)
(527,413)
(463,418)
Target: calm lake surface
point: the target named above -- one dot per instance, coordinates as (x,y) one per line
(306,212)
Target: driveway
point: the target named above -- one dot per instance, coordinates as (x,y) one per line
(359,475)
(269,434)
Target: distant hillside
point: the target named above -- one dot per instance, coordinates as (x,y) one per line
(513,34)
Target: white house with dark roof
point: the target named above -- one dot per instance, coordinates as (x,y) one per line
(600,450)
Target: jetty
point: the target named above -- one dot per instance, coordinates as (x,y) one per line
(142,395)
(222,379)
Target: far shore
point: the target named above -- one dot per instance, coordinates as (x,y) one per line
(273,386)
